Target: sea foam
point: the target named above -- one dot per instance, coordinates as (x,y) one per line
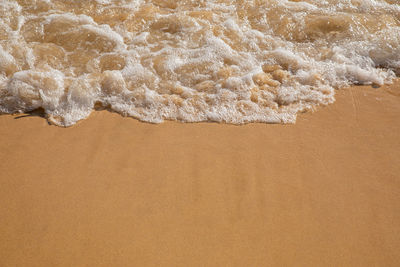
(217,60)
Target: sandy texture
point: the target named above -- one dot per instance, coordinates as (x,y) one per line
(112,191)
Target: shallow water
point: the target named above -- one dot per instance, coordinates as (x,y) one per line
(219,60)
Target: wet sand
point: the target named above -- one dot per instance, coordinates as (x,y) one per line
(112,191)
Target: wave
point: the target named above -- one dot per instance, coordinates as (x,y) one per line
(218,60)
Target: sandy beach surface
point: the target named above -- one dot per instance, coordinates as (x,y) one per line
(112,191)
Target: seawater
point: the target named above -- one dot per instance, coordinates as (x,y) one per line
(216,60)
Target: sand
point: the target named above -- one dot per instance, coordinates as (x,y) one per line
(112,191)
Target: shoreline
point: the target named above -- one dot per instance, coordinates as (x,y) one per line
(115,191)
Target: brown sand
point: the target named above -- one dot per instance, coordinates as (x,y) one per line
(112,191)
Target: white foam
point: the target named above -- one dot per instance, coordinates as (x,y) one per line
(189,60)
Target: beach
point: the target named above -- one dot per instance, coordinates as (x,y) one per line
(113,191)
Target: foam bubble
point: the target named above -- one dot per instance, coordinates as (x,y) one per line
(220,60)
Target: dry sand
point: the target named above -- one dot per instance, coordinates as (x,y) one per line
(112,191)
